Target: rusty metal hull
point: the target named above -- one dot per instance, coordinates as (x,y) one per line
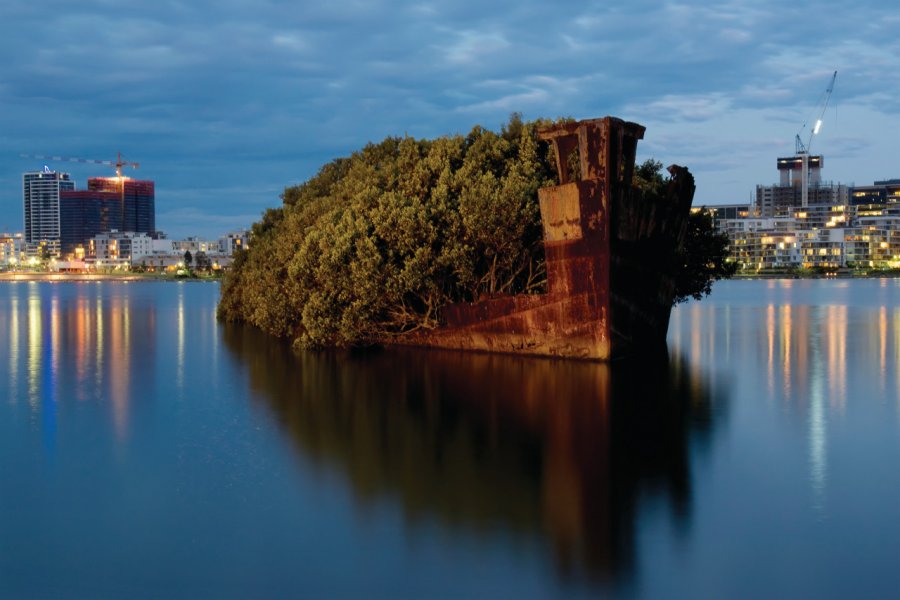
(609,255)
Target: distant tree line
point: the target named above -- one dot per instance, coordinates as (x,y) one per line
(374,245)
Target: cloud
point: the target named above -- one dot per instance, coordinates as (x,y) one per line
(682,108)
(243,98)
(474,47)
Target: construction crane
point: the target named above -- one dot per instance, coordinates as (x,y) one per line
(802,149)
(118,163)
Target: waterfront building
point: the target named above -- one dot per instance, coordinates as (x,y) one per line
(120,247)
(819,216)
(161,261)
(138,198)
(85,214)
(870,246)
(821,235)
(881,192)
(777,200)
(238,240)
(756,249)
(839,226)
(12,249)
(41,191)
(822,248)
(731,211)
(174,261)
(162,246)
(194,245)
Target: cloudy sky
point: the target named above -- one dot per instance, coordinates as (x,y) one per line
(225,103)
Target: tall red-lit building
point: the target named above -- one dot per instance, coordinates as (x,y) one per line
(139,201)
(109,203)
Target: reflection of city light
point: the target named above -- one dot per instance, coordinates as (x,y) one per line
(808,350)
(98,320)
(14,348)
(214,323)
(55,338)
(119,365)
(179,379)
(786,347)
(81,337)
(34,345)
(696,340)
(675,326)
(896,322)
(836,332)
(770,338)
(817,427)
(882,347)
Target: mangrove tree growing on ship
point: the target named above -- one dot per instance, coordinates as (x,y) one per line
(374,245)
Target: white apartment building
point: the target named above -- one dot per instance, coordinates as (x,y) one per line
(820,236)
(40,195)
(120,246)
(237,240)
(194,245)
(12,249)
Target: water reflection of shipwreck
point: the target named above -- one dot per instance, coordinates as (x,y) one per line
(610,255)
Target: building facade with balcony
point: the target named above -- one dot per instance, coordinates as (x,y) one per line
(40,202)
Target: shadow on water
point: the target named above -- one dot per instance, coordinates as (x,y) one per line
(560,451)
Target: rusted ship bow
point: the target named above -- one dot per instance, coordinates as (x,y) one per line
(610,256)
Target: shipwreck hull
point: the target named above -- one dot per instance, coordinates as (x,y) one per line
(610,258)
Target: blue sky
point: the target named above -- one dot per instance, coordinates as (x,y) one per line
(225,103)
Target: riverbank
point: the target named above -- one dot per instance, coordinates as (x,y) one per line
(811,274)
(87,277)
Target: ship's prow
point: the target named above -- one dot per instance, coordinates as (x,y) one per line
(610,257)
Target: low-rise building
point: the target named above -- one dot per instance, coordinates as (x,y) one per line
(12,249)
(194,245)
(118,247)
(238,240)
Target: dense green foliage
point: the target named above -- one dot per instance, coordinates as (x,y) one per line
(702,259)
(376,244)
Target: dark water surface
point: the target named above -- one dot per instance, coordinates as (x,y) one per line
(148,451)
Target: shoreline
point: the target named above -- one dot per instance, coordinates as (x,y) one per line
(832,275)
(90,277)
(128,277)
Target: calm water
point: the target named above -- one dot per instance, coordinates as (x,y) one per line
(146,450)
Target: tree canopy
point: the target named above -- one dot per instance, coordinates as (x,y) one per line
(702,259)
(374,245)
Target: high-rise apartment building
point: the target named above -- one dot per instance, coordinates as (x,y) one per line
(41,191)
(109,204)
(138,201)
(83,215)
(778,200)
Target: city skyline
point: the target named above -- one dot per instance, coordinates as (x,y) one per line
(225,106)
(58,212)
